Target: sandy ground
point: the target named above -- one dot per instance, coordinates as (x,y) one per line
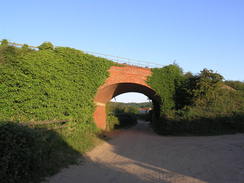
(137,155)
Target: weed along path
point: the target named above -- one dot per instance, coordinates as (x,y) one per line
(137,155)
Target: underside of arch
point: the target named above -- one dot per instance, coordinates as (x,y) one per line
(105,94)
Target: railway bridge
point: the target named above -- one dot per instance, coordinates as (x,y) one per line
(122,79)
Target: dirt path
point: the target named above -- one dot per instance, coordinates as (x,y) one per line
(137,155)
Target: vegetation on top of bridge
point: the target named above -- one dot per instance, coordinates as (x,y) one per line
(116,59)
(197,104)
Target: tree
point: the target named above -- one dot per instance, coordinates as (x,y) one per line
(204,85)
(46,46)
(4,42)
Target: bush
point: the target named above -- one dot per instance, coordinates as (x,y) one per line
(126,120)
(112,121)
(201,104)
(145,116)
(201,126)
(28,154)
(17,146)
(237,85)
(120,115)
(4,42)
(46,46)
(165,81)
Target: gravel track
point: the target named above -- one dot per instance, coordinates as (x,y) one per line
(137,155)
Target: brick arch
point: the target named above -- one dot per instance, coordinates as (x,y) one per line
(122,80)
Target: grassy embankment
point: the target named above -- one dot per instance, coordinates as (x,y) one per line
(51,83)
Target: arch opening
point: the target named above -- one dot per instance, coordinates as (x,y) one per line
(105,94)
(131,97)
(127,110)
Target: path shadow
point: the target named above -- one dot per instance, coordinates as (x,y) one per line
(153,158)
(138,155)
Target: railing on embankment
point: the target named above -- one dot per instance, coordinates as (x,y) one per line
(117,59)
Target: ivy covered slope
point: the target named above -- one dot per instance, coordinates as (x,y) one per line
(49,83)
(46,84)
(197,104)
(166,81)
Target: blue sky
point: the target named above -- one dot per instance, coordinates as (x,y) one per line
(196,34)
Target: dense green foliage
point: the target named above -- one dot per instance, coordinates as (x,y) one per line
(46,46)
(165,81)
(199,104)
(119,107)
(112,121)
(140,104)
(237,85)
(120,115)
(28,154)
(48,84)
(4,42)
(52,83)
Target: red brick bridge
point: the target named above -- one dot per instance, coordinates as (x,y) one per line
(122,80)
